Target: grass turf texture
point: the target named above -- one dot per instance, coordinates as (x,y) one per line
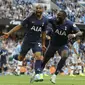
(24,80)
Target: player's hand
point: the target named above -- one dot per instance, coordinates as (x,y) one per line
(48,37)
(70,36)
(5,35)
(43,48)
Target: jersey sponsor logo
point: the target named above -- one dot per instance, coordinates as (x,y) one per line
(37,29)
(60,32)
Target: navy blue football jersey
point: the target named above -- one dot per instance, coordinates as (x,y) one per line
(61,32)
(48,33)
(34,27)
(3,52)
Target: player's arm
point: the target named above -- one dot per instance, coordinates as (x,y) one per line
(43,38)
(48,37)
(76,31)
(16,28)
(79,33)
(74,50)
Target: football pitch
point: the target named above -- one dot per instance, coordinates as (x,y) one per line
(24,80)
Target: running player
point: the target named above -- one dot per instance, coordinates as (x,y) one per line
(63,30)
(35,26)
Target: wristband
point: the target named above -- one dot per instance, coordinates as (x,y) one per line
(74,35)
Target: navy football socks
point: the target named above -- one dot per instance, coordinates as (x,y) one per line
(38,68)
(60,65)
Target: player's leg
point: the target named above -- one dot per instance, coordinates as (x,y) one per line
(0,67)
(48,54)
(25,47)
(63,51)
(37,50)
(80,67)
(73,66)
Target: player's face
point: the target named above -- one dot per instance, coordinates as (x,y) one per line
(39,10)
(79,41)
(60,17)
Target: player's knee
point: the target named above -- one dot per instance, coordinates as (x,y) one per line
(37,55)
(64,53)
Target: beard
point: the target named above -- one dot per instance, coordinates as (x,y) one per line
(59,20)
(38,14)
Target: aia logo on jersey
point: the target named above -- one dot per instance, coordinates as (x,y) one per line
(36,28)
(60,32)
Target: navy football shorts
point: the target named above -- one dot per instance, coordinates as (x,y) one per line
(26,46)
(51,50)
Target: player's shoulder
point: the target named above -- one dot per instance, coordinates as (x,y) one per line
(45,20)
(75,43)
(72,24)
(29,16)
(69,22)
(52,20)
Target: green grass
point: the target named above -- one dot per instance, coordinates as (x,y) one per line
(24,80)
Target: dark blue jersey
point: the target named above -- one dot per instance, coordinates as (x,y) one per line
(49,30)
(34,27)
(48,33)
(61,32)
(3,52)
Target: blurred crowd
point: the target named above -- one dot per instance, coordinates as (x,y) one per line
(12,10)
(75,63)
(75,11)
(19,9)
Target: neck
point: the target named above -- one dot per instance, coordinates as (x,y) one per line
(39,17)
(63,21)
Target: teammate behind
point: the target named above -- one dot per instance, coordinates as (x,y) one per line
(62,32)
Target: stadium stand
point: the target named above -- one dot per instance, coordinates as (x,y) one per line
(75,11)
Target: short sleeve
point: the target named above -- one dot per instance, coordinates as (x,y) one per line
(45,25)
(74,27)
(25,22)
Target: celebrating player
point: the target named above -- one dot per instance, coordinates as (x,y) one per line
(35,26)
(63,30)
